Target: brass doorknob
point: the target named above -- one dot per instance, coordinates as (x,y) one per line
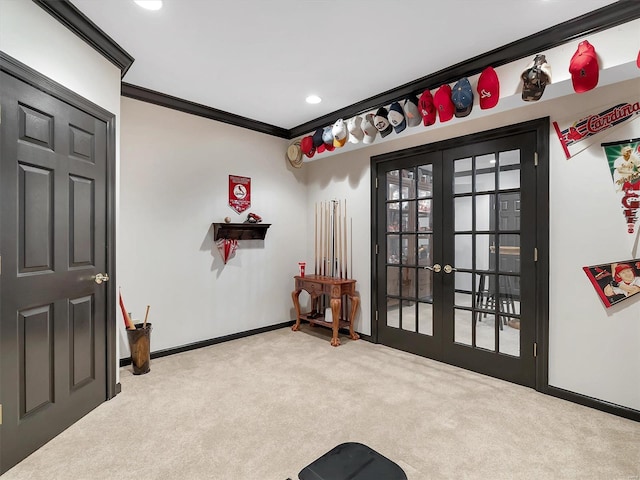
(448,268)
(99,278)
(435,268)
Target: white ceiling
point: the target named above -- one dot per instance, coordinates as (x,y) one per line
(260,59)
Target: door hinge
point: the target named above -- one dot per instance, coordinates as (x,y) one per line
(535,159)
(535,254)
(376,249)
(376,182)
(0,414)
(376,315)
(535,350)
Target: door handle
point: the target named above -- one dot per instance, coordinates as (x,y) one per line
(99,278)
(435,268)
(448,268)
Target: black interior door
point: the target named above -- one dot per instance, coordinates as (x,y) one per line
(53,237)
(455,270)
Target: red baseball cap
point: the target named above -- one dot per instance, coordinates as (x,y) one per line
(444,104)
(584,68)
(620,267)
(427,108)
(306,145)
(638,60)
(488,88)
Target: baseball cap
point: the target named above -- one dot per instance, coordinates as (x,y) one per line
(584,68)
(318,143)
(327,138)
(381,122)
(340,133)
(411,111)
(355,130)
(368,129)
(443,103)
(427,108)
(396,117)
(619,268)
(306,145)
(488,88)
(462,97)
(534,78)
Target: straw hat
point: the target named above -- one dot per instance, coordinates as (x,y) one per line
(294,154)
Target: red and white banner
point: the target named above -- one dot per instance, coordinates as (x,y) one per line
(580,134)
(623,158)
(239,193)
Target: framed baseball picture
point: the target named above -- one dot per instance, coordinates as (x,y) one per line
(615,282)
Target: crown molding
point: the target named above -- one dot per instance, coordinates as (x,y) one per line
(617,13)
(622,11)
(67,14)
(157,98)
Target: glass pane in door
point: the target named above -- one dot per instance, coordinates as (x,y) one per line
(487,251)
(462,170)
(486,173)
(409,249)
(409,315)
(463,326)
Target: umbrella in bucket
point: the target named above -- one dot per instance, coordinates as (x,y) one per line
(139,341)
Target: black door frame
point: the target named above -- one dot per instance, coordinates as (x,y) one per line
(540,127)
(34,78)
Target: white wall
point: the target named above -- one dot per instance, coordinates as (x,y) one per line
(32,36)
(35,38)
(174,185)
(593,350)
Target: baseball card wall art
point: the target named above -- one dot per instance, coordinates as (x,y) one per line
(615,282)
(623,158)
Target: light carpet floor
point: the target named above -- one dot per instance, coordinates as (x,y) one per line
(264,407)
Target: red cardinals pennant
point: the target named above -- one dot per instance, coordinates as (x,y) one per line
(623,158)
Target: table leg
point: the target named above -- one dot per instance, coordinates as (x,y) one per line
(355,301)
(296,303)
(335,313)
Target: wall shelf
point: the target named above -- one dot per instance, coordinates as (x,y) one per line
(240,231)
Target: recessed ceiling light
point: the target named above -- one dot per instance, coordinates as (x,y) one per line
(313,99)
(150,4)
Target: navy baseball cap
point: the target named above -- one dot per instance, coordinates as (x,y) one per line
(396,117)
(318,143)
(462,97)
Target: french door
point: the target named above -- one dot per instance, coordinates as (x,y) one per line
(455,269)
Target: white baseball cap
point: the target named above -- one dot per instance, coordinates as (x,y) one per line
(340,133)
(369,129)
(355,130)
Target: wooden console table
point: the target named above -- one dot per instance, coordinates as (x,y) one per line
(335,288)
